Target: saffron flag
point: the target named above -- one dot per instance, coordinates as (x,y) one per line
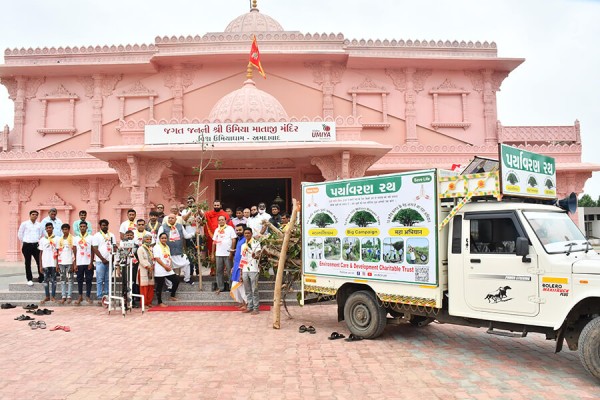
(255,57)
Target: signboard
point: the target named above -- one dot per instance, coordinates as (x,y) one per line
(376,228)
(259,132)
(528,174)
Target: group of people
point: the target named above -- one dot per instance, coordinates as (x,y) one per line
(157,251)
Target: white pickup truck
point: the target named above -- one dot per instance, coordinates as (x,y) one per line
(435,246)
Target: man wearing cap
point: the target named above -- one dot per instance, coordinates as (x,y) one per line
(53,219)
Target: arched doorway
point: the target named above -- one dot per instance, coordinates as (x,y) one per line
(235,193)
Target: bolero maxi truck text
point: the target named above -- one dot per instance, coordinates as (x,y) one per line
(491,247)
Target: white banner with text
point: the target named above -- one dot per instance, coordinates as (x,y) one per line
(255,132)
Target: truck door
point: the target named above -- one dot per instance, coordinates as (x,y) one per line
(496,279)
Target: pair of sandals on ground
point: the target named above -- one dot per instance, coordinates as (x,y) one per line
(333,336)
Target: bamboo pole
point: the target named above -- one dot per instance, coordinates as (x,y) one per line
(281,266)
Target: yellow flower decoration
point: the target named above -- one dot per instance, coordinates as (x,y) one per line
(481,184)
(452,186)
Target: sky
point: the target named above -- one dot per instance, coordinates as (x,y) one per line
(558,83)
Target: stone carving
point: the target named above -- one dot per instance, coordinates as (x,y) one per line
(326,71)
(33,85)
(60,93)
(54,200)
(343,166)
(187,75)
(328,167)
(105,187)
(88,85)
(400,78)
(11,85)
(123,170)
(169,185)
(138,89)
(359,165)
(327,74)
(155,171)
(84,188)
(478,80)
(447,85)
(108,83)
(26,189)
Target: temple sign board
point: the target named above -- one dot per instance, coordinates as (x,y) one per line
(240,132)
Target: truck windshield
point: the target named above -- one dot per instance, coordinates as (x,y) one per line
(556,231)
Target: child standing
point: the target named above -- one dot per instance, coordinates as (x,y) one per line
(48,261)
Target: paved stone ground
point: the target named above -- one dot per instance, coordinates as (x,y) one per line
(229,355)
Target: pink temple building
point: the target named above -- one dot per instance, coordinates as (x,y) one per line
(77,139)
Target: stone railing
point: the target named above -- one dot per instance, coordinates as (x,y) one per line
(539,134)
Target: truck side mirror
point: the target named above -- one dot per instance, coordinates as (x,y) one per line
(522,248)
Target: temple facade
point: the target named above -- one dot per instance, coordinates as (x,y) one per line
(80,113)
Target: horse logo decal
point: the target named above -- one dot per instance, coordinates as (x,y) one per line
(499,295)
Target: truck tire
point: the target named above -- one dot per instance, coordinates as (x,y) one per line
(589,347)
(364,316)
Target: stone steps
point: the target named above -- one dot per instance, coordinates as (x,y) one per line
(21,294)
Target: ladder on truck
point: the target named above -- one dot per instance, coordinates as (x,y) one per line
(464,188)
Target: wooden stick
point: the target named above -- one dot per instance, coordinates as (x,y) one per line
(281,266)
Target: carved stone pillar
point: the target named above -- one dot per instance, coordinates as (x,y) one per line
(14,193)
(327,74)
(97,87)
(178,78)
(139,175)
(411,81)
(20,89)
(94,191)
(488,82)
(343,166)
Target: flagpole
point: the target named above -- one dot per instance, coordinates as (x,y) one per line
(249,71)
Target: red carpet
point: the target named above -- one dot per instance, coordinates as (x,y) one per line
(203,308)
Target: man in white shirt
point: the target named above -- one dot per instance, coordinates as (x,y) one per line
(84,266)
(102,246)
(223,250)
(29,234)
(129,224)
(48,262)
(56,222)
(257,216)
(251,251)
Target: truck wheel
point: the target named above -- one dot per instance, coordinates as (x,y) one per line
(364,316)
(589,347)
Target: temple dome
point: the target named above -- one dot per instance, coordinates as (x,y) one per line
(253,21)
(248,104)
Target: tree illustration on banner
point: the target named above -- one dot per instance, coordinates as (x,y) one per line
(322,220)
(363,218)
(407,217)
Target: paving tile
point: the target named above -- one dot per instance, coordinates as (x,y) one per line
(236,356)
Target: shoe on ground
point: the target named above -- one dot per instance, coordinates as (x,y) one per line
(191,283)
(29,283)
